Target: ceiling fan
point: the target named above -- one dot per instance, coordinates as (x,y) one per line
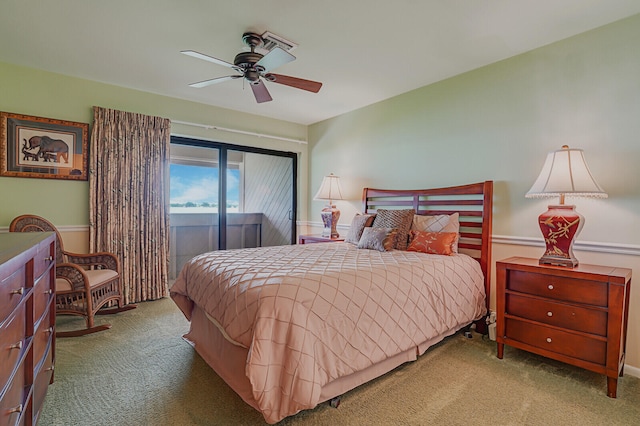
(254,67)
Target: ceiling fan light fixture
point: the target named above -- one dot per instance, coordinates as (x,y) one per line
(254,67)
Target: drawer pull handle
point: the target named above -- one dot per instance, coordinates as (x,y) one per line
(16,409)
(18,291)
(50,368)
(548,339)
(549,314)
(49,330)
(550,286)
(16,345)
(48,258)
(49,291)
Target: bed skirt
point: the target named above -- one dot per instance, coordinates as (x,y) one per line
(228,360)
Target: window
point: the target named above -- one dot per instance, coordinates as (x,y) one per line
(226,197)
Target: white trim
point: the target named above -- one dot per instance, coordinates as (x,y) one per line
(632,371)
(600,247)
(242,132)
(343,227)
(613,248)
(63,228)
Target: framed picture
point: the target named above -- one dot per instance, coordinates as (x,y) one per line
(36,147)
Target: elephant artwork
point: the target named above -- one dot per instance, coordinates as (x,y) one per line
(43,148)
(28,155)
(50,149)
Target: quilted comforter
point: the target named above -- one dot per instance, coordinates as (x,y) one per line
(309,314)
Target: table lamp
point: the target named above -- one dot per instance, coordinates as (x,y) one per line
(564,173)
(330,190)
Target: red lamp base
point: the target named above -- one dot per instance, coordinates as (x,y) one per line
(330,215)
(560,225)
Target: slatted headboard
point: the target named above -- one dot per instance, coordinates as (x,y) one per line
(474,203)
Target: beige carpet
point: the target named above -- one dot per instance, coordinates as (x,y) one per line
(141,372)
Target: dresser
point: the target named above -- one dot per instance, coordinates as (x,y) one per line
(27,321)
(574,315)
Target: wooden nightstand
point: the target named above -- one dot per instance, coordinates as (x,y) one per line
(308,239)
(574,315)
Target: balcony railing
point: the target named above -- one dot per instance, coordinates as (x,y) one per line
(196,233)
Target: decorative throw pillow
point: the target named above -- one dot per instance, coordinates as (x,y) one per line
(381,239)
(438,223)
(433,242)
(400,220)
(358,223)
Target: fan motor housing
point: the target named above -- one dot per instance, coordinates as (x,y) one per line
(247,59)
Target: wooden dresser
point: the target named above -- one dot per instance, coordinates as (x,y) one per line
(574,315)
(27,321)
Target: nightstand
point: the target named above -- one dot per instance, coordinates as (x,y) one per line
(573,315)
(308,239)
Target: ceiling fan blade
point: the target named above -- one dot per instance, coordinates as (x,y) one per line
(260,92)
(208,58)
(298,83)
(274,59)
(211,81)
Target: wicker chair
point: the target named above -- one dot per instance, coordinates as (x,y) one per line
(84,282)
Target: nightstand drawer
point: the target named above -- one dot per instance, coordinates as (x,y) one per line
(563,315)
(559,288)
(549,339)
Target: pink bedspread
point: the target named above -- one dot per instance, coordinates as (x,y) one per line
(309,314)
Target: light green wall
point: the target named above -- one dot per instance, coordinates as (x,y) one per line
(498,123)
(33,92)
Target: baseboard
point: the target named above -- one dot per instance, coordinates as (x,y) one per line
(632,371)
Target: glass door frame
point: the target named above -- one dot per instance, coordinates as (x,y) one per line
(223,149)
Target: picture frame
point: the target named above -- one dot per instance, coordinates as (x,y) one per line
(46,148)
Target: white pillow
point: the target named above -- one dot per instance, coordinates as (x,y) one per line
(438,223)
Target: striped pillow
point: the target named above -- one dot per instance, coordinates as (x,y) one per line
(400,220)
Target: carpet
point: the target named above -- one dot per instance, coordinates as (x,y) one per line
(141,372)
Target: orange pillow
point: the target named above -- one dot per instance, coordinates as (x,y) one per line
(433,242)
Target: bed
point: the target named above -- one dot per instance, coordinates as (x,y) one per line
(290,327)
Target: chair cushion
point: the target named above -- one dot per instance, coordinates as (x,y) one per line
(62,285)
(100,276)
(96,278)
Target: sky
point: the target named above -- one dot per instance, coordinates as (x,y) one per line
(199,184)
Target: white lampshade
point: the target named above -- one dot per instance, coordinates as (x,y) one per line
(565,172)
(330,189)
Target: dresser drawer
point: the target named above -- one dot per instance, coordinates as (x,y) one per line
(559,288)
(562,315)
(43,259)
(12,291)
(558,341)
(12,401)
(42,338)
(12,343)
(42,295)
(43,378)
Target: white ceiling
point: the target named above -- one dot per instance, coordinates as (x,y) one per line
(363,51)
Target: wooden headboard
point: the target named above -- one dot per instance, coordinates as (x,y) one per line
(474,203)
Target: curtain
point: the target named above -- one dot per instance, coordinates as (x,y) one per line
(128,198)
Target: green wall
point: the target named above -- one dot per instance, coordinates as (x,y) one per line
(38,93)
(498,122)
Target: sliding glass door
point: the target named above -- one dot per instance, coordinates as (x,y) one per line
(229,197)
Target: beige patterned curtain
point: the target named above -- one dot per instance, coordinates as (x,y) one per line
(129,202)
